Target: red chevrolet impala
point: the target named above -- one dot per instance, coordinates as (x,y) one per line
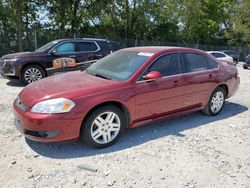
(128,88)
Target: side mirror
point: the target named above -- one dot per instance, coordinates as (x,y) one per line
(53,52)
(153,75)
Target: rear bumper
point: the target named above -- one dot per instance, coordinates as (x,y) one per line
(47,127)
(233,86)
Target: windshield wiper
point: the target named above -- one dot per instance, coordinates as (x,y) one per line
(97,74)
(102,76)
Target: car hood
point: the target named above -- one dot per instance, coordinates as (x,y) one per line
(70,85)
(20,55)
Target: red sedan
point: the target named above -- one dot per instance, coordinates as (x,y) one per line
(128,88)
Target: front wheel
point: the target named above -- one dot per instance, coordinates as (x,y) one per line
(216,102)
(103,127)
(32,73)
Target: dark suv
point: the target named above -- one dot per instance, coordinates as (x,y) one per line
(247,63)
(57,56)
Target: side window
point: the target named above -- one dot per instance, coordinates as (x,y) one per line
(195,62)
(218,55)
(212,64)
(167,65)
(87,47)
(66,47)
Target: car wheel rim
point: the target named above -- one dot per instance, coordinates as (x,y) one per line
(32,75)
(105,127)
(217,102)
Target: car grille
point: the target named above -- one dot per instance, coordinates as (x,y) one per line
(20,104)
(2,63)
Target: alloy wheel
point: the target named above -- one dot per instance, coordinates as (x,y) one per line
(32,75)
(105,127)
(217,102)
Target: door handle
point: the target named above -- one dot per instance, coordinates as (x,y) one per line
(210,76)
(72,56)
(176,82)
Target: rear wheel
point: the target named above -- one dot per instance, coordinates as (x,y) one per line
(32,73)
(216,102)
(103,127)
(245,67)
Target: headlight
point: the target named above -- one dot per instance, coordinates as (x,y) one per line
(53,106)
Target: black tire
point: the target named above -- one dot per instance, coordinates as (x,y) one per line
(245,67)
(88,125)
(36,69)
(208,109)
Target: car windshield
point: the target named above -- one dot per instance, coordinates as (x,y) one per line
(120,65)
(46,46)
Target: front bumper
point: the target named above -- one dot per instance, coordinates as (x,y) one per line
(7,70)
(47,127)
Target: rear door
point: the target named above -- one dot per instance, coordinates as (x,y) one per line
(199,78)
(87,53)
(163,95)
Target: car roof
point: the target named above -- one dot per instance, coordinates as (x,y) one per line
(79,39)
(160,49)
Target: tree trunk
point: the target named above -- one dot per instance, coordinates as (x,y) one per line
(127,23)
(19,24)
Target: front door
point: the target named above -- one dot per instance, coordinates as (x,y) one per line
(163,95)
(64,57)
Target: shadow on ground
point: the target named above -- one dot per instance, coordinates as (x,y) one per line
(136,136)
(15,83)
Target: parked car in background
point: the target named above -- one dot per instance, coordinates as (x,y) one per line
(57,56)
(222,57)
(128,88)
(234,54)
(247,63)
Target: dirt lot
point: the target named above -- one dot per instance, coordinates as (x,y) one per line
(189,151)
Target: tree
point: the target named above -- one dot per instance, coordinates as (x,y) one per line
(239,32)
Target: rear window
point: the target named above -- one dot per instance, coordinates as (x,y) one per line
(87,46)
(212,64)
(197,62)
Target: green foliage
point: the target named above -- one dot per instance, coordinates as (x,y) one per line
(239,32)
(218,22)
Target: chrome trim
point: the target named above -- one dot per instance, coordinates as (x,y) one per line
(10,74)
(2,63)
(98,47)
(184,73)
(151,80)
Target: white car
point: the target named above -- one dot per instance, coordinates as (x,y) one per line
(222,57)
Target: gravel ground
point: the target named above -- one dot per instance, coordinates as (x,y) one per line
(189,151)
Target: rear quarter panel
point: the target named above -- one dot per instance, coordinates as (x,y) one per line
(231,78)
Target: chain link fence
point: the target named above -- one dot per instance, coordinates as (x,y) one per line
(124,43)
(243,52)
